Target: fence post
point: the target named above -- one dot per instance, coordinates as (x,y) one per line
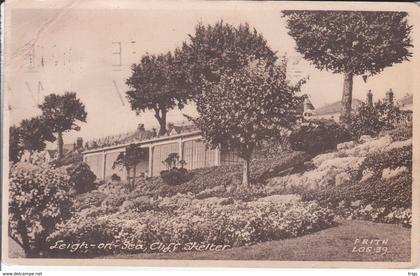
(180,149)
(150,160)
(104,165)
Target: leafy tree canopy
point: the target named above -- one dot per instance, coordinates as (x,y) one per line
(222,48)
(247,107)
(156,84)
(357,42)
(34,133)
(61,112)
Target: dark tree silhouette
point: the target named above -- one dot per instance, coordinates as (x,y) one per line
(15,144)
(60,113)
(350,42)
(33,133)
(156,84)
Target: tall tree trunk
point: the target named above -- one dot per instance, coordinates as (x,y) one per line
(245,172)
(60,145)
(162,123)
(347,94)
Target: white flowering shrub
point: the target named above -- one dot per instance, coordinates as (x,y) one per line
(39,199)
(237,224)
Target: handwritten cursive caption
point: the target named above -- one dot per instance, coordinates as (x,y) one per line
(156,247)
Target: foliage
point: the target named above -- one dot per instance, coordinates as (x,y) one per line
(375,193)
(316,136)
(174,176)
(81,177)
(60,113)
(253,104)
(155,84)
(39,200)
(286,162)
(129,158)
(91,199)
(383,196)
(371,120)
(34,133)
(15,144)
(235,224)
(400,133)
(376,162)
(350,42)
(221,49)
(115,177)
(227,176)
(175,173)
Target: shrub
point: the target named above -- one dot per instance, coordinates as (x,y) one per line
(39,200)
(88,200)
(234,225)
(82,178)
(174,176)
(115,177)
(384,194)
(175,173)
(376,162)
(316,136)
(400,133)
(371,120)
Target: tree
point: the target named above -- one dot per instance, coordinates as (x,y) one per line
(39,200)
(34,133)
(60,113)
(350,42)
(247,107)
(156,84)
(15,144)
(129,159)
(221,49)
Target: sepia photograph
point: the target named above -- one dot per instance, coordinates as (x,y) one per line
(221,134)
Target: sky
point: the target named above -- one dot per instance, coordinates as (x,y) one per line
(71,46)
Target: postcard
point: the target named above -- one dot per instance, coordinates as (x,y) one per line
(211,133)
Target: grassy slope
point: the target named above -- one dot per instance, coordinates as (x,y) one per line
(333,244)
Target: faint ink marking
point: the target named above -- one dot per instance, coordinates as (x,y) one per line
(117,67)
(40,88)
(118,92)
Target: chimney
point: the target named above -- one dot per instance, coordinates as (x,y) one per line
(390,96)
(369,98)
(79,143)
(140,127)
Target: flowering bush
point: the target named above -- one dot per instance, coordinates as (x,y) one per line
(39,199)
(81,177)
(384,195)
(376,162)
(235,224)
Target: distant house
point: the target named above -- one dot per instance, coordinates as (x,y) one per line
(186,140)
(406,102)
(333,110)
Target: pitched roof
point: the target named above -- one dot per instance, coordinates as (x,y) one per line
(406,100)
(140,134)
